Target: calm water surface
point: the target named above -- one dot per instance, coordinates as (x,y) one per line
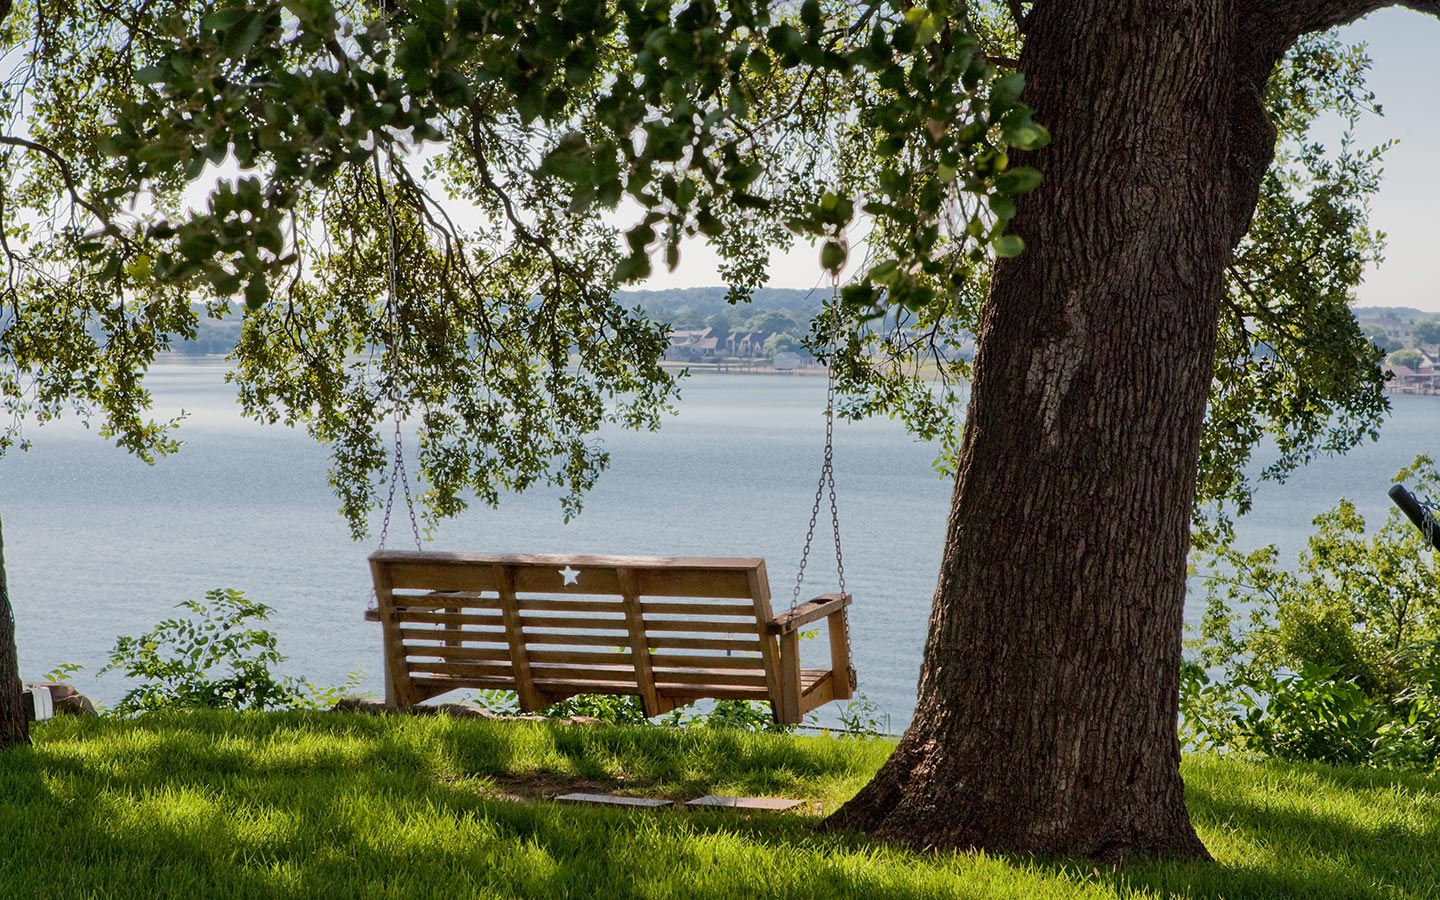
(99,544)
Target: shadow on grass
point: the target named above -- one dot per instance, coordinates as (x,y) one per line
(293,806)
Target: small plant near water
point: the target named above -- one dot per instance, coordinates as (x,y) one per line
(217,658)
(1337,662)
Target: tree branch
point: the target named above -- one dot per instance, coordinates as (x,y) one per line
(1017,12)
(62,164)
(1282,21)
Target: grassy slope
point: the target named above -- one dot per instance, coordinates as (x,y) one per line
(322,805)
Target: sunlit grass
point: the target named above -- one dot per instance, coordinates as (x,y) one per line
(324,805)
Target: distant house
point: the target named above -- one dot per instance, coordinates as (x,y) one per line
(692,343)
(1424,380)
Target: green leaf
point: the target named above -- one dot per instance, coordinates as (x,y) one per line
(1008,246)
(242,36)
(1021,180)
(150,75)
(633,268)
(1006,90)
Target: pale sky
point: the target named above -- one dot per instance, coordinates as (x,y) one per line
(1405,47)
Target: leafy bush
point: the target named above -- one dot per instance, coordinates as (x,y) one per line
(216,659)
(1338,662)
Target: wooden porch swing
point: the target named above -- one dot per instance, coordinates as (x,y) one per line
(669,630)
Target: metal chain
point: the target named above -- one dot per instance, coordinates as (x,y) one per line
(397,469)
(1432,514)
(827,469)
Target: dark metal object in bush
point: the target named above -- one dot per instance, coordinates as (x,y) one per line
(1417,512)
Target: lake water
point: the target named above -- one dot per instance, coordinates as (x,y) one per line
(99,544)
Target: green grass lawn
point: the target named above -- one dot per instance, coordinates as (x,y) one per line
(205,806)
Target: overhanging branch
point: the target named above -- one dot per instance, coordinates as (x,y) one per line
(1283,21)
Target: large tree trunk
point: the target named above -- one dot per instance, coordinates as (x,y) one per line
(14,725)
(1046,720)
(1048,693)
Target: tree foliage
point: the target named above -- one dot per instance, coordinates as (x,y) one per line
(1292,366)
(407,203)
(1338,660)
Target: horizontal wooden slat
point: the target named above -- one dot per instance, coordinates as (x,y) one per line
(624,674)
(445,600)
(733,584)
(818,692)
(573,657)
(754,677)
(463,635)
(667,608)
(441,618)
(697,625)
(465,669)
(434,574)
(443,652)
(567,604)
(710,692)
(706,662)
(669,642)
(589,623)
(545,560)
(808,612)
(655,576)
(444,683)
(580,639)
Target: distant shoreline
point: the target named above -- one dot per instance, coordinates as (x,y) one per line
(740,368)
(719,368)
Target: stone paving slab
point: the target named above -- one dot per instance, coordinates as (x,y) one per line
(613,800)
(767,804)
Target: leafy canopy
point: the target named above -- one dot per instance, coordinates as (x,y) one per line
(408,202)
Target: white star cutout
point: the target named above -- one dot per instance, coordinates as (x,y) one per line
(570,575)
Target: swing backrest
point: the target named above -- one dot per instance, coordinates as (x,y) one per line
(671,630)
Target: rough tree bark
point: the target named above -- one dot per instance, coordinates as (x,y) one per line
(14,727)
(1046,719)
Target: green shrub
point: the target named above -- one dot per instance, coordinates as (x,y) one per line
(215,659)
(1335,662)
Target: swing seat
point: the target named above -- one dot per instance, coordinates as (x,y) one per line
(669,630)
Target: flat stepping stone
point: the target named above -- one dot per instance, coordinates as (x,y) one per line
(613,800)
(767,804)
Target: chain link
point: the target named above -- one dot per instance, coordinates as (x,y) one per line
(827,469)
(397,469)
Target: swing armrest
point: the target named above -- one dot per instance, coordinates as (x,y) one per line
(372,614)
(808,612)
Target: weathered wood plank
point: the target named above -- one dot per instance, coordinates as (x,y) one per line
(639,652)
(595,658)
(747,644)
(444,652)
(697,661)
(616,674)
(727,677)
(575,639)
(398,691)
(809,611)
(839,626)
(423,617)
(586,623)
(530,697)
(700,626)
(717,610)
(688,692)
(465,635)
